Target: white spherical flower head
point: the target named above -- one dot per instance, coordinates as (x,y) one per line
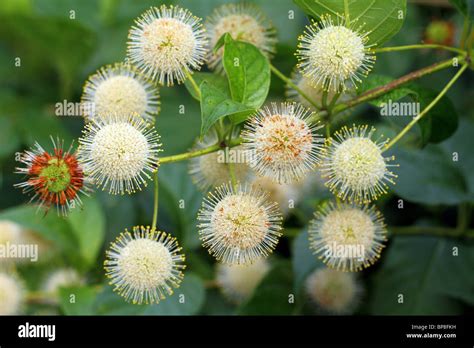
(354,167)
(333,291)
(286,195)
(212,170)
(11,294)
(281,143)
(238,282)
(166,43)
(347,237)
(119,153)
(239,226)
(244,22)
(14,234)
(146,266)
(62,278)
(334,55)
(305,84)
(10,232)
(119,89)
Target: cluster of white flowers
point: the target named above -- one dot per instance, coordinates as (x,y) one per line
(240,221)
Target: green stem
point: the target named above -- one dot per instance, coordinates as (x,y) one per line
(324,100)
(292,231)
(464,216)
(427,109)
(194,84)
(290,83)
(155,202)
(347,13)
(200,152)
(334,101)
(233,178)
(465,32)
(420,46)
(470,41)
(328,129)
(428,230)
(381,90)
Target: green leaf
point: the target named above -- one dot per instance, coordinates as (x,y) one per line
(248,72)
(183,201)
(459,148)
(429,275)
(9,140)
(304,262)
(37,35)
(226,37)
(14,7)
(109,302)
(466,7)
(218,81)
(216,304)
(382,18)
(429,176)
(373,81)
(441,122)
(50,226)
(83,304)
(215,104)
(200,265)
(186,300)
(271,297)
(88,224)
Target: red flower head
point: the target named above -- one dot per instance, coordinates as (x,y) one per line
(53,178)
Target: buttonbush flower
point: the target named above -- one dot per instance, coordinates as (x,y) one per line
(119,153)
(14,234)
(212,170)
(353,165)
(334,56)
(238,282)
(53,179)
(281,143)
(166,43)
(11,294)
(347,237)
(284,194)
(10,232)
(239,226)
(333,291)
(120,89)
(145,266)
(60,278)
(244,22)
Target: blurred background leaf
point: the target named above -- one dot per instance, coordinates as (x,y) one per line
(432,275)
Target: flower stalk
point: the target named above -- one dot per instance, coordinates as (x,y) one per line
(427,109)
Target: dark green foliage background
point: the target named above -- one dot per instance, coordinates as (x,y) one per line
(58,53)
